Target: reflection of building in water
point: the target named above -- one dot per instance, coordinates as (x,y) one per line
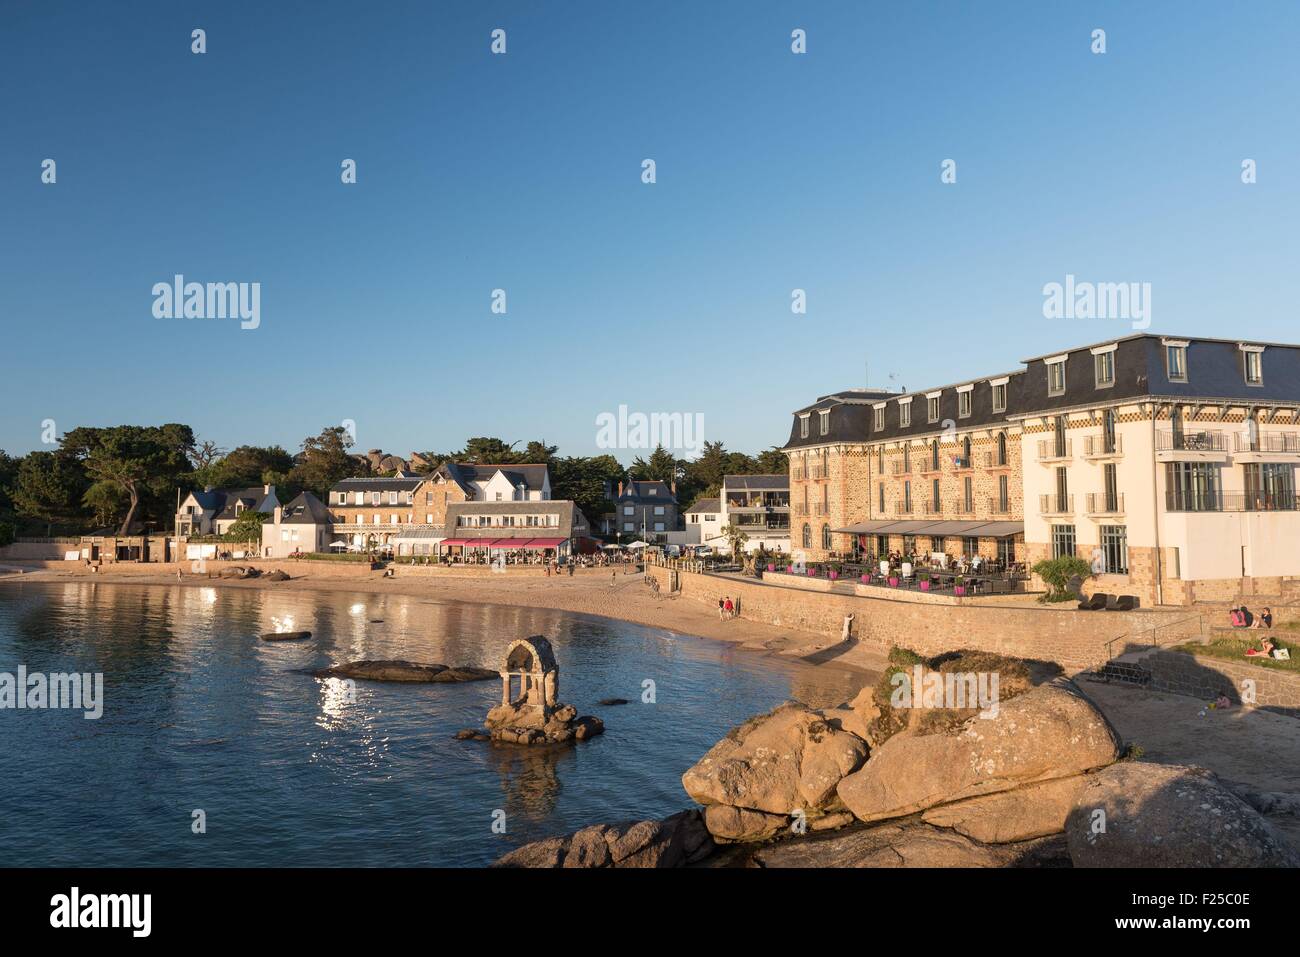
(530,778)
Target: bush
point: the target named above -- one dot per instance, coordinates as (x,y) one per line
(1013,679)
(7,534)
(1057,572)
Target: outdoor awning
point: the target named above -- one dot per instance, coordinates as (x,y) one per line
(421,536)
(465,541)
(868,528)
(912,528)
(998,529)
(509,543)
(547,542)
(953,528)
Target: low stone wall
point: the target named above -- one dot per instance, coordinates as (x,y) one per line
(1197,676)
(1076,640)
(36,551)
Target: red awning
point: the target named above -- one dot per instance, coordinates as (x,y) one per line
(509,543)
(465,542)
(547,542)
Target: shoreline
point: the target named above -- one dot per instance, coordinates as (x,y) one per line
(588,592)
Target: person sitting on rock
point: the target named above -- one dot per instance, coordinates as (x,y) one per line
(1236,618)
(1265,619)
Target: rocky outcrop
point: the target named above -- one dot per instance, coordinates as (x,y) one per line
(912,844)
(857,716)
(285,635)
(673,842)
(1020,815)
(276,576)
(1050,732)
(790,759)
(1150,815)
(239,571)
(399,670)
(517,723)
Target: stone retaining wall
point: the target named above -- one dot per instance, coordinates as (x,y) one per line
(1076,640)
(1177,672)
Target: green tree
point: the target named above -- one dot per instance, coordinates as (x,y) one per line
(247,527)
(772,462)
(245,467)
(48,486)
(145,462)
(662,466)
(105,501)
(1057,572)
(324,462)
(736,538)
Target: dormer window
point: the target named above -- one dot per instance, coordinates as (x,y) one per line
(824,421)
(964,401)
(1056,376)
(999,394)
(879,424)
(803,425)
(1175,360)
(932,407)
(905,414)
(1252,358)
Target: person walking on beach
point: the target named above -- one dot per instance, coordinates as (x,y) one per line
(730,608)
(722,609)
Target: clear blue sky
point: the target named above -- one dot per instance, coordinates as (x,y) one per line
(522,171)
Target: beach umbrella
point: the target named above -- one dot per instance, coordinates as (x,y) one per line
(638,545)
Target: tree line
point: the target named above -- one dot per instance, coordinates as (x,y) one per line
(126,477)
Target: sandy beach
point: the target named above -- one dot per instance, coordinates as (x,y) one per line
(1252,747)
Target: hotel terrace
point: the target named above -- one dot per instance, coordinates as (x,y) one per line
(1167,463)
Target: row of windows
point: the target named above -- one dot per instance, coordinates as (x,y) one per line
(508,521)
(1110,558)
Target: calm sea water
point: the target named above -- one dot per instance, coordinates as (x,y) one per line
(201,714)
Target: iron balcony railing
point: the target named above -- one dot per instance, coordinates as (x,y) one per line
(1102,503)
(991,461)
(1096,446)
(1049,450)
(999,507)
(1196,500)
(1191,442)
(900,468)
(1266,442)
(1056,504)
(932,508)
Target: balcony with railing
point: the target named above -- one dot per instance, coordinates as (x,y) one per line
(1276,442)
(1203,500)
(1102,446)
(753,522)
(1056,504)
(999,507)
(1105,503)
(900,468)
(1201,441)
(962,507)
(817,472)
(755,501)
(1050,450)
(991,461)
(932,508)
(903,508)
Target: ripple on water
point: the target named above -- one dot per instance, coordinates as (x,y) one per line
(294,770)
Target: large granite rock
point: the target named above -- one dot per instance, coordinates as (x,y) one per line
(734,824)
(856,716)
(673,842)
(1036,810)
(1050,732)
(399,670)
(910,844)
(786,760)
(1157,815)
(518,723)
